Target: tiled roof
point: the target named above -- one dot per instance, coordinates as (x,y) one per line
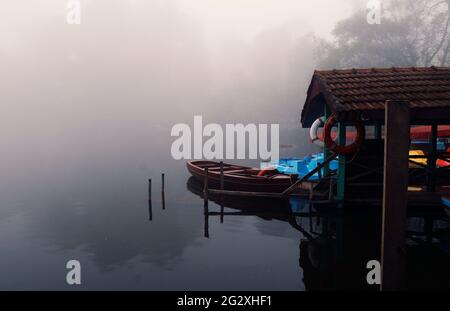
(369,89)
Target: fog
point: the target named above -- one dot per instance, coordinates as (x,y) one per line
(133,69)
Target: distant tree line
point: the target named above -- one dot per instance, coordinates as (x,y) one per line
(411,33)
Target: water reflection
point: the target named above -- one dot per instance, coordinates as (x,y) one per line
(335,243)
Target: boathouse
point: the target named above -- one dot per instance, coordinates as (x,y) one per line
(399,158)
(360,95)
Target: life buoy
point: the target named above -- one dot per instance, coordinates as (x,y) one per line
(320,122)
(333,146)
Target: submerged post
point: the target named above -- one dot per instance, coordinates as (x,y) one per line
(395,195)
(162,182)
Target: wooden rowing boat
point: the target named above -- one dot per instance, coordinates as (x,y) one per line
(240,178)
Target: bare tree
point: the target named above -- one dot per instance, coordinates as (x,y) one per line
(412,33)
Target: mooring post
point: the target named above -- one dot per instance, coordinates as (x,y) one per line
(150,209)
(326,151)
(206,225)
(341,179)
(163,200)
(205,188)
(205,203)
(395,195)
(222,187)
(222,181)
(149,189)
(163,195)
(432,157)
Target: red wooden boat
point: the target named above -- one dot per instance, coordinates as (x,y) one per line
(240,178)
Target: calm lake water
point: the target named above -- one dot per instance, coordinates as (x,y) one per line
(90,203)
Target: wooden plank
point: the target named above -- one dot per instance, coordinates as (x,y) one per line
(246,193)
(307,176)
(395,195)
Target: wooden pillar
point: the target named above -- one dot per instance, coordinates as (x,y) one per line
(432,157)
(395,195)
(342,138)
(326,152)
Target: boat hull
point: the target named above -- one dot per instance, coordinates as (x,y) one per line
(239,178)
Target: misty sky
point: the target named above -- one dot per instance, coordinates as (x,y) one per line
(239,18)
(134,67)
(247,18)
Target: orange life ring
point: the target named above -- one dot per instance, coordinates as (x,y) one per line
(333,146)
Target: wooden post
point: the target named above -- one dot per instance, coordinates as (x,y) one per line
(206,226)
(163,195)
(205,203)
(342,138)
(222,187)
(205,188)
(331,189)
(395,195)
(149,189)
(222,181)
(432,157)
(326,151)
(150,210)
